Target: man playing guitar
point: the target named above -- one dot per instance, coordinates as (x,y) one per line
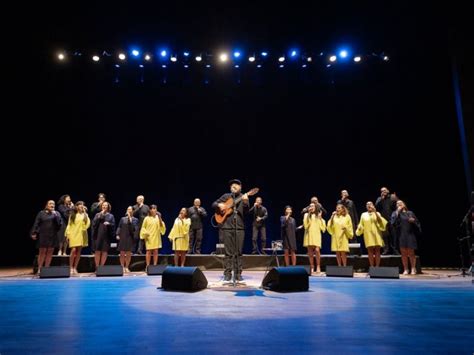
(230,209)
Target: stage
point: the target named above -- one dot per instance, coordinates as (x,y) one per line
(250,262)
(131,315)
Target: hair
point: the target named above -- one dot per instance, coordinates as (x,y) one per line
(185,211)
(344,208)
(62,199)
(101,195)
(72,217)
(151,208)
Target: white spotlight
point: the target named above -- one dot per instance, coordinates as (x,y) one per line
(281,59)
(95,58)
(198,58)
(385,58)
(332,58)
(357,59)
(122,56)
(173,59)
(309,59)
(252,59)
(61,56)
(147,57)
(223,57)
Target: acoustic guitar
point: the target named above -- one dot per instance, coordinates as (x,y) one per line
(229,206)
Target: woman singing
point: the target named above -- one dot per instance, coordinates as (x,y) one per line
(179,235)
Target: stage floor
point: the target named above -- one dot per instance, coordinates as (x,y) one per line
(432,312)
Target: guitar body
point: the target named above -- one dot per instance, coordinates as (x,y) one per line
(221,216)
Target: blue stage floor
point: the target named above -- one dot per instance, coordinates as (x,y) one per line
(130,315)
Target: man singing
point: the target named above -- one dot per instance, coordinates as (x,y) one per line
(260,214)
(196,213)
(233,228)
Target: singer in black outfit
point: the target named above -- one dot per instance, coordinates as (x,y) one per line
(103,232)
(386,204)
(351,208)
(260,214)
(44,231)
(196,213)
(140,211)
(319,207)
(233,229)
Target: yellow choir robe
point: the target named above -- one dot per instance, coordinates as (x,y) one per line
(340,237)
(312,230)
(76,231)
(372,229)
(151,232)
(179,234)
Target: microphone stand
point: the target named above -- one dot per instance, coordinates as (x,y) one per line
(236,247)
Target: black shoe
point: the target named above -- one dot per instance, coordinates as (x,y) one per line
(386,252)
(227,277)
(239,278)
(254,252)
(396,253)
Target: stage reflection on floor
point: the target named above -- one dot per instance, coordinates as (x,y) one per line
(130,315)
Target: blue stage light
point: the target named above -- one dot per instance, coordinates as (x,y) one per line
(135,53)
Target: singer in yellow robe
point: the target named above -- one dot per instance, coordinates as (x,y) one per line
(179,234)
(340,228)
(76,231)
(314,225)
(371,225)
(152,230)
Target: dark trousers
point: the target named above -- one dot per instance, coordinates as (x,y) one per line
(198,234)
(263,234)
(233,245)
(390,240)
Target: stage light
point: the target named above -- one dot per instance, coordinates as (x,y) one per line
(236,66)
(163,66)
(282,66)
(343,53)
(198,58)
(61,56)
(236,54)
(141,65)
(95,58)
(332,58)
(309,59)
(293,53)
(223,57)
(303,66)
(122,56)
(163,53)
(385,58)
(135,53)
(357,59)
(173,58)
(259,65)
(186,54)
(264,54)
(186,66)
(252,59)
(208,65)
(328,65)
(147,57)
(117,66)
(281,59)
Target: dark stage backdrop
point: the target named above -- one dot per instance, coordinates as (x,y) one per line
(293,135)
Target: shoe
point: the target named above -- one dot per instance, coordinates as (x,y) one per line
(263,252)
(254,252)
(197,252)
(405,272)
(396,253)
(318,270)
(386,252)
(413,271)
(227,277)
(239,278)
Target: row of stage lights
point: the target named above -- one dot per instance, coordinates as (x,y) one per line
(236,57)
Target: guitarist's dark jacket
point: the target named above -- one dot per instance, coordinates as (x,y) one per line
(242,208)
